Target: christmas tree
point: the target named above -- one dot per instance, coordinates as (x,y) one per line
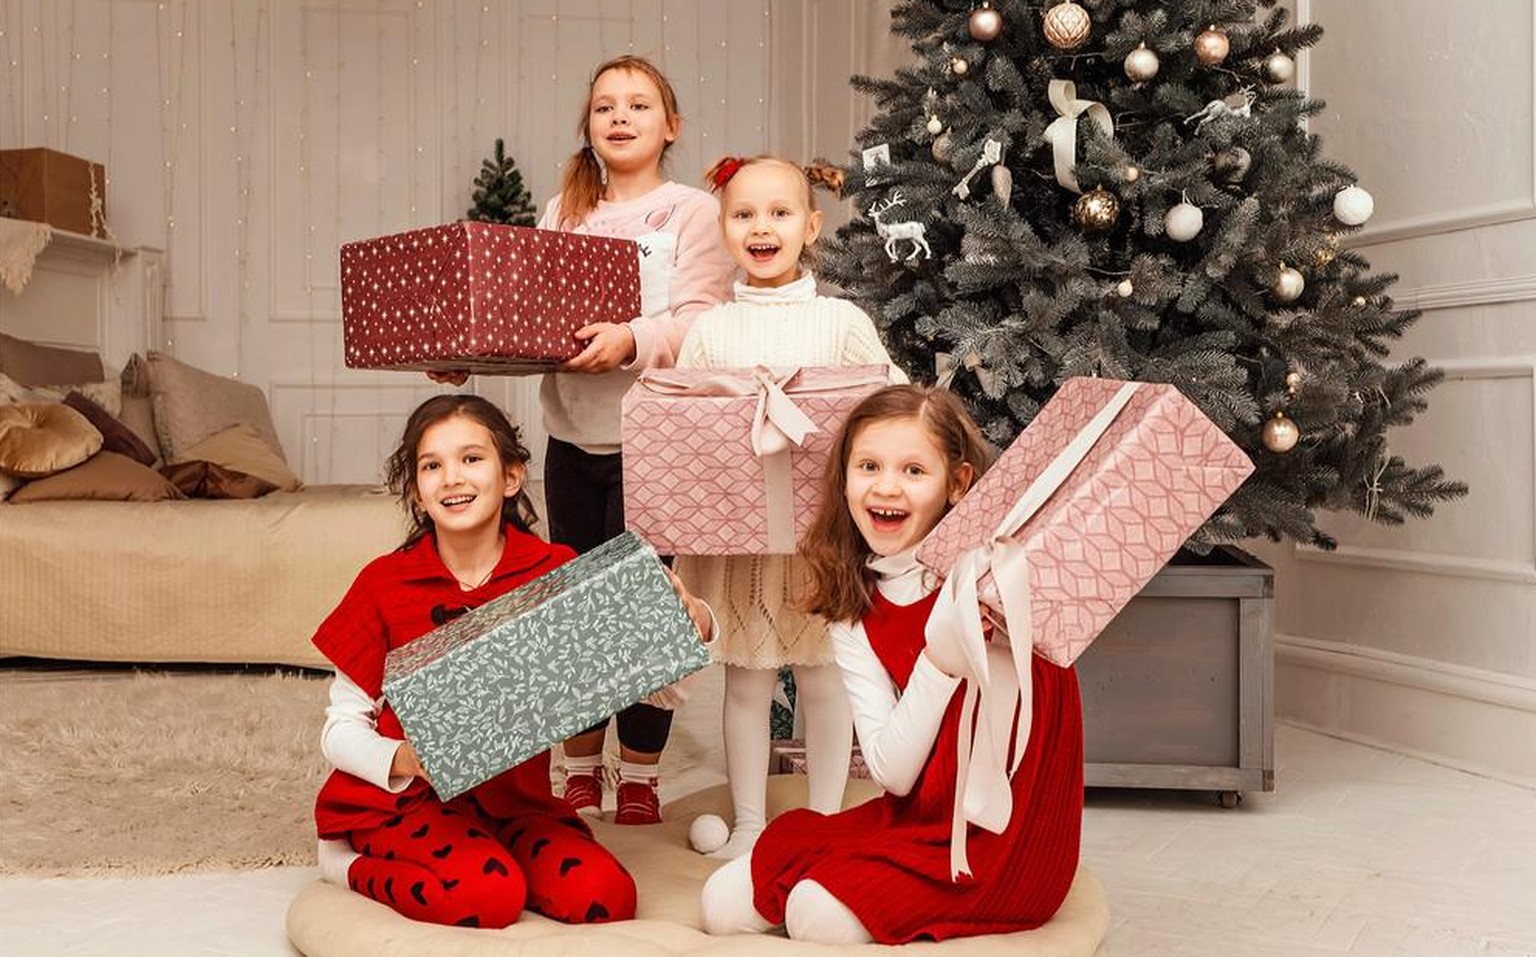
(1126,189)
(500,196)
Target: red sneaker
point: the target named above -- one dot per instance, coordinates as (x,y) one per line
(585,793)
(638,803)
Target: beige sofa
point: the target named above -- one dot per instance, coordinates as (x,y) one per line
(105,560)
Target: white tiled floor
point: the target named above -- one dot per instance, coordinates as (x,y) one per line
(1360,852)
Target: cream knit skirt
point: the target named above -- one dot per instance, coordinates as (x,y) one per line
(754,601)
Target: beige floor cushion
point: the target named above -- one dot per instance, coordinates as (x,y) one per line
(330,921)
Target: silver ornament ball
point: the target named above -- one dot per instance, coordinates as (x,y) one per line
(1141,64)
(1288,284)
(1280,433)
(1279,68)
(985,24)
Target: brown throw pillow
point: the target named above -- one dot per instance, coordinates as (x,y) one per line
(40,438)
(115,436)
(34,365)
(105,477)
(139,416)
(191,405)
(241,448)
(203,479)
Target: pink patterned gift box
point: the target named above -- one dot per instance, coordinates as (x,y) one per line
(481,296)
(1159,469)
(729,461)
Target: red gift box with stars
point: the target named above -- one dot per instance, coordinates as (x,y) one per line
(481,297)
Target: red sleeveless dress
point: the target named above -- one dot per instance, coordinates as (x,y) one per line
(888,859)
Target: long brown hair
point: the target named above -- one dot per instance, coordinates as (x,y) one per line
(400,469)
(841,582)
(581,186)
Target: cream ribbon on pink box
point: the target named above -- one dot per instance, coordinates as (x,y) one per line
(778,425)
(983,770)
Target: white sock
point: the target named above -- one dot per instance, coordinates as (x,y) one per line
(812,913)
(725,905)
(636,772)
(748,701)
(584,764)
(336,859)
(828,734)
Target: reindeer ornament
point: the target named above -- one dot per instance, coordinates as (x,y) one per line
(893,233)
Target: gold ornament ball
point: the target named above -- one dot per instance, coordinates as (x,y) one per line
(1232,164)
(1130,174)
(942,147)
(1141,64)
(1096,211)
(1359,300)
(1288,284)
(985,24)
(1002,183)
(1280,433)
(1279,68)
(959,65)
(1212,46)
(1067,25)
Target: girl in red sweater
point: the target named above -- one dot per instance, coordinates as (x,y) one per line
(478,859)
(882,871)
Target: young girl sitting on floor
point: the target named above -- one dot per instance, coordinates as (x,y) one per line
(882,871)
(478,859)
(769,221)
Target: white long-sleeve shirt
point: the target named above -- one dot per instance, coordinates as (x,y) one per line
(896,731)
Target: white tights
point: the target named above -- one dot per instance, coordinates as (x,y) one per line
(810,912)
(828,744)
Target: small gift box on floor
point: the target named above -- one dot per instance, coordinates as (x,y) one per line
(501,683)
(729,461)
(1090,502)
(481,297)
(788,757)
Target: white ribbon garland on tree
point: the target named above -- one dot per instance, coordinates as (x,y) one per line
(1062,133)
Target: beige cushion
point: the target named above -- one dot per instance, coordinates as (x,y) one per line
(139,416)
(107,477)
(40,438)
(241,448)
(190,405)
(107,393)
(31,364)
(330,921)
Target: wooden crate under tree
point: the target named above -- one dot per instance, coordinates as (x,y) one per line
(1178,691)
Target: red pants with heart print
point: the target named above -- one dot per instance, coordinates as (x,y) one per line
(452,864)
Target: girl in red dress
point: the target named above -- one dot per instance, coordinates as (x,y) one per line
(480,858)
(882,871)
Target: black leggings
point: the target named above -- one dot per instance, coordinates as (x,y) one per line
(585,497)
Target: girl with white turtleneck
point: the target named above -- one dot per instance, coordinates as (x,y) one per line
(768,219)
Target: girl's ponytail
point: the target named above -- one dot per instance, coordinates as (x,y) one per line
(581,187)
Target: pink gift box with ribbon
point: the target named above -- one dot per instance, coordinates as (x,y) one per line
(729,461)
(1073,519)
(482,297)
(1089,503)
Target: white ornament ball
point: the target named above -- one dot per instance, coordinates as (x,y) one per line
(1183,222)
(1288,285)
(1131,174)
(1353,206)
(1125,288)
(935,125)
(708,833)
(1279,68)
(1141,64)
(959,65)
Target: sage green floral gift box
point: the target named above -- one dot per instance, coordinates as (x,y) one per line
(524,671)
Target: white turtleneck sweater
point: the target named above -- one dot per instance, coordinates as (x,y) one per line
(755,594)
(896,731)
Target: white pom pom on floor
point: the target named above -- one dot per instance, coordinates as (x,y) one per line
(708,832)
